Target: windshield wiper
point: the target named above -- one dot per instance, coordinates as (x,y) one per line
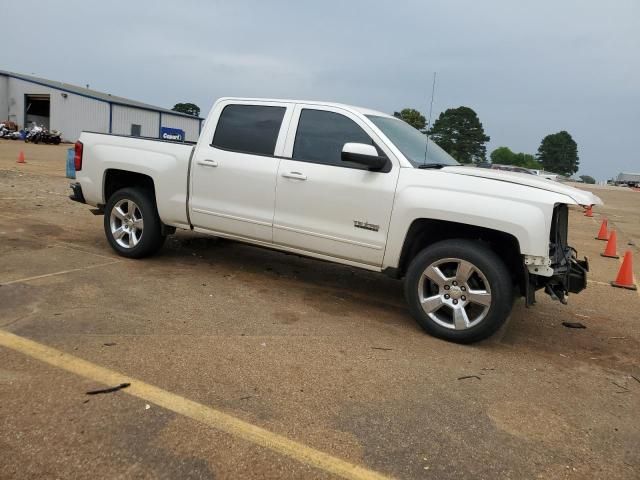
(431,165)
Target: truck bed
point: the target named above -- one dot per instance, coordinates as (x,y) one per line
(166,162)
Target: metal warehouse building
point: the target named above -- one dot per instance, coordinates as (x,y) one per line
(70,109)
(628,178)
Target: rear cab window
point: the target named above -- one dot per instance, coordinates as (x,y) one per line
(251,129)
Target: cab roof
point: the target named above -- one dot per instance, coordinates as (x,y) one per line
(362,110)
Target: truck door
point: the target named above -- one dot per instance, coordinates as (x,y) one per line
(325,205)
(233,174)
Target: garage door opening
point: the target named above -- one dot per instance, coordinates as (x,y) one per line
(37,110)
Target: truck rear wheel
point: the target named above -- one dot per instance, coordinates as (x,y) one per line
(131,223)
(459,290)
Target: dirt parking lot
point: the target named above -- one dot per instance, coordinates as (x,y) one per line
(248,363)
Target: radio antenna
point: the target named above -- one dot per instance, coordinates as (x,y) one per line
(433,89)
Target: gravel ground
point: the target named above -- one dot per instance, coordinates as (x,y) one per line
(322,354)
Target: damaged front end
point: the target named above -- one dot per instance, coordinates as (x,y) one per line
(561,273)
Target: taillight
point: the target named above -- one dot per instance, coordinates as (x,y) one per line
(77,158)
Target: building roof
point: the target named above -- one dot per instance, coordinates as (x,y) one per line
(86,92)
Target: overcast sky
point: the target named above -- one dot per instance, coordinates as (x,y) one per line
(527,68)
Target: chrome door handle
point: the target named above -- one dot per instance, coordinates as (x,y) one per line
(207,162)
(295,175)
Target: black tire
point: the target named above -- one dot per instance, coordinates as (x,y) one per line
(495,273)
(151,238)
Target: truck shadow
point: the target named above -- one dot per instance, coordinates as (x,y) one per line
(339,290)
(311,276)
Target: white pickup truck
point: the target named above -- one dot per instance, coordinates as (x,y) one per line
(351,186)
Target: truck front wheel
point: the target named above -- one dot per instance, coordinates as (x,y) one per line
(459,290)
(131,223)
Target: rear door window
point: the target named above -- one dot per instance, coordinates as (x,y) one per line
(249,129)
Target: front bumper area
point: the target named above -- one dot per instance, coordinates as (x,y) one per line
(561,273)
(77,195)
(576,277)
(569,276)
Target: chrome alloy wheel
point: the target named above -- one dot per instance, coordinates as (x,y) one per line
(126,223)
(454,293)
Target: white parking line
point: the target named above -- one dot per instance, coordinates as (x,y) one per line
(62,272)
(71,246)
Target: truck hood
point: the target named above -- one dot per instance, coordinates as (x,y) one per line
(581,197)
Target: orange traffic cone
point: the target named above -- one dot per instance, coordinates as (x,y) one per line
(589,211)
(625,275)
(603,234)
(21,157)
(611,248)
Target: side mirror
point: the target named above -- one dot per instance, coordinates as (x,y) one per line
(363,154)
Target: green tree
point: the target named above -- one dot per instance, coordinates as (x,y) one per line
(558,153)
(413,117)
(502,156)
(588,179)
(188,108)
(459,132)
(527,160)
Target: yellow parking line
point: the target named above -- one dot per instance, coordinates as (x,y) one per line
(201,413)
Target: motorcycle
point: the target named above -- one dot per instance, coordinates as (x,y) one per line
(4,131)
(8,129)
(14,135)
(53,137)
(34,135)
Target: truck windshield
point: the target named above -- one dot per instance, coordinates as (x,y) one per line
(412,143)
